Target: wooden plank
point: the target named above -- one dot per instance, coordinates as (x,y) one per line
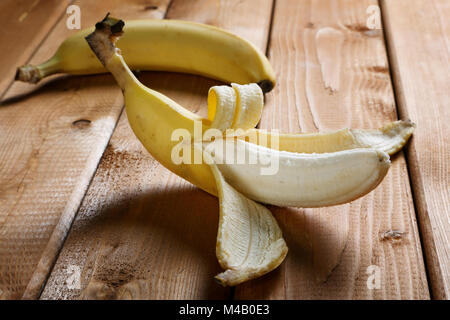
(25,24)
(229,15)
(333,73)
(142,232)
(419,46)
(53,136)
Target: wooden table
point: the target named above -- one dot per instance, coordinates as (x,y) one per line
(82,200)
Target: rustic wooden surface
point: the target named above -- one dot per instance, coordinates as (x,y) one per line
(49,156)
(419,41)
(173,253)
(332,248)
(143,233)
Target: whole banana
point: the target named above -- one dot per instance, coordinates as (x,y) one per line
(165,45)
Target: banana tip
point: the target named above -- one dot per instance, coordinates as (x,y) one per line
(266,85)
(28,73)
(384,158)
(220,281)
(410,123)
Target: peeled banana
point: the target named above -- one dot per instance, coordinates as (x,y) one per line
(301,179)
(154,118)
(165,45)
(305,170)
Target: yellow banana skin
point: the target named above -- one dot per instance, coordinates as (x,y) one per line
(390,138)
(165,45)
(152,127)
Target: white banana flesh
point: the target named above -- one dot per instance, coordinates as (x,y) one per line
(299,180)
(221,107)
(250,102)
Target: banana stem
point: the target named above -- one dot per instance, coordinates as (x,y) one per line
(33,74)
(102,42)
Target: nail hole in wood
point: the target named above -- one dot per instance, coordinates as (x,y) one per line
(151,7)
(82,123)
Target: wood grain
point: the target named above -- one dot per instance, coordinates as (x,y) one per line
(332,72)
(53,136)
(142,232)
(419,46)
(25,25)
(244,18)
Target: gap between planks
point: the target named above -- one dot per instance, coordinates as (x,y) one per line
(396,98)
(44,283)
(419,52)
(70,99)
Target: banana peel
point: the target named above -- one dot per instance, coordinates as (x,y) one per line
(249,241)
(315,169)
